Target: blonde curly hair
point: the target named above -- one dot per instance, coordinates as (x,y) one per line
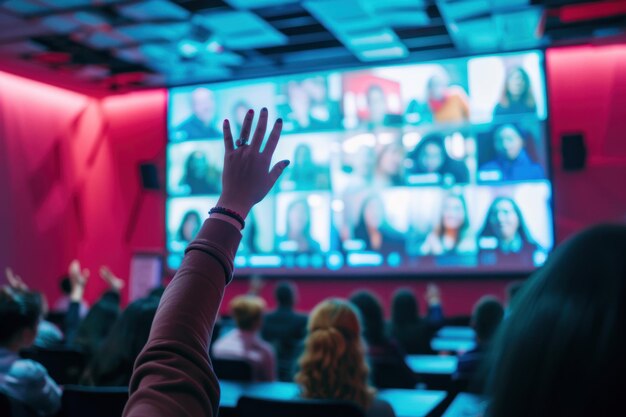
(333,364)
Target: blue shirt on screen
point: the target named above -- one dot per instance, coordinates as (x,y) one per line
(520,169)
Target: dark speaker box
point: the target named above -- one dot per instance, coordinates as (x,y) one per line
(573,152)
(149,177)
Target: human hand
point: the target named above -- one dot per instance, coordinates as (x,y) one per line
(115,283)
(78,280)
(433,294)
(15,281)
(247,177)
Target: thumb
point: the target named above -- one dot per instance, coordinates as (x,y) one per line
(277,170)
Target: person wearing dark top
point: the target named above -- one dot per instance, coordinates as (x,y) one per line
(517,95)
(387,359)
(113,363)
(504,237)
(199,176)
(373,229)
(200,124)
(486,318)
(173,375)
(412,332)
(561,351)
(430,157)
(512,161)
(298,235)
(285,329)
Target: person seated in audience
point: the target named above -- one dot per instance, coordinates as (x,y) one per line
(25,381)
(113,363)
(89,333)
(561,351)
(48,335)
(284,328)
(173,374)
(244,342)
(486,318)
(387,359)
(333,365)
(412,332)
(63,303)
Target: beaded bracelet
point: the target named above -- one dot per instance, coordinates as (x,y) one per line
(230,213)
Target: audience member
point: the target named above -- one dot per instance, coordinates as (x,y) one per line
(63,303)
(333,364)
(284,329)
(390,369)
(412,333)
(113,363)
(25,381)
(486,318)
(561,351)
(244,341)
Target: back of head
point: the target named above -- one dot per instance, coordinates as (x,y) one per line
(561,352)
(247,311)
(113,365)
(372,315)
(486,317)
(333,364)
(404,308)
(98,322)
(285,294)
(19,311)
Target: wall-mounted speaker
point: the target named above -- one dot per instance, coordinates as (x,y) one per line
(149,177)
(573,152)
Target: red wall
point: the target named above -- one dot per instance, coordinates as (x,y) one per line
(68,169)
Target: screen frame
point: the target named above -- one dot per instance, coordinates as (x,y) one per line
(375,273)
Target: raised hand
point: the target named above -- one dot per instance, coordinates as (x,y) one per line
(78,280)
(115,283)
(247,177)
(15,281)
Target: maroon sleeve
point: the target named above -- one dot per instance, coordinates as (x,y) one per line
(173,375)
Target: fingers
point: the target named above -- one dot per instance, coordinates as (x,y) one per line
(246,127)
(276,171)
(228,137)
(272,141)
(259,133)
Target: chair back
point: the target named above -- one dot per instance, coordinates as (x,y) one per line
(233,369)
(80,401)
(5,406)
(392,373)
(254,407)
(64,365)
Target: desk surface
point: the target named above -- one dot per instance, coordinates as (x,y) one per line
(452,345)
(466,405)
(405,403)
(432,364)
(456,332)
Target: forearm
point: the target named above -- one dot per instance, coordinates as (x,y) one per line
(173,375)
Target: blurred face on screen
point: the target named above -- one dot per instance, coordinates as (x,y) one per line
(516,83)
(198,165)
(453,215)
(302,156)
(190,226)
(203,105)
(298,219)
(505,220)
(437,87)
(509,142)
(376,104)
(431,157)
(391,159)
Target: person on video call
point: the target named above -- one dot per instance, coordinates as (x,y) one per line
(298,231)
(376,105)
(505,235)
(389,166)
(430,157)
(448,104)
(309,105)
(306,174)
(512,160)
(373,229)
(452,233)
(199,176)
(189,226)
(517,97)
(202,120)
